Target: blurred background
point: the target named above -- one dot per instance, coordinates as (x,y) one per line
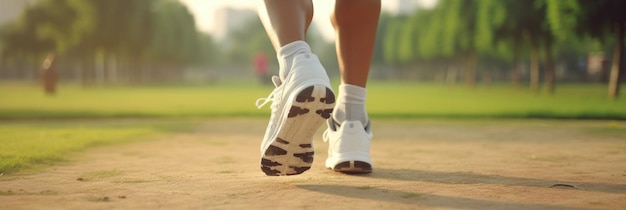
(81,73)
(529,43)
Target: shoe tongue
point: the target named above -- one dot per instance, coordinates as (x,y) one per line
(276,81)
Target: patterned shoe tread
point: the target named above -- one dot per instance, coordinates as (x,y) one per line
(295,156)
(307,157)
(300,170)
(282,141)
(274,167)
(269,171)
(358,167)
(266,166)
(274,151)
(295,111)
(267,162)
(306,95)
(325,113)
(328,99)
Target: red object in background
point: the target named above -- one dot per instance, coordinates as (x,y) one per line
(260,64)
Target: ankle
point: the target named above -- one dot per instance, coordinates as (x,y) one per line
(350,105)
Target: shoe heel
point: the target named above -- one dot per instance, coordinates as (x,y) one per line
(353,167)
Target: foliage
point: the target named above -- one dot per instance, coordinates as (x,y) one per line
(141,38)
(385,100)
(175,35)
(62,22)
(247,41)
(461,33)
(601,20)
(134,34)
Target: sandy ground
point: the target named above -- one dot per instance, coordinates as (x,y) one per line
(418,164)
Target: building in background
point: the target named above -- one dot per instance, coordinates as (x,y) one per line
(228,19)
(11,9)
(405,6)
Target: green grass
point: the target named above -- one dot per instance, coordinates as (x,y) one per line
(385,100)
(582,101)
(28,145)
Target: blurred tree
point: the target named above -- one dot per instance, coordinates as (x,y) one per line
(175,39)
(207,52)
(139,39)
(378,57)
(46,27)
(598,19)
(539,35)
(390,40)
(64,22)
(512,23)
(449,32)
(245,42)
(114,20)
(136,45)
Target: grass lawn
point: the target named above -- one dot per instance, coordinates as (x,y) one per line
(385,100)
(69,125)
(27,145)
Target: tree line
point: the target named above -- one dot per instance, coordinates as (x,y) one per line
(467,36)
(154,40)
(105,41)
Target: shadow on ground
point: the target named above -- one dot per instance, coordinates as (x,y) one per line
(426,200)
(473,178)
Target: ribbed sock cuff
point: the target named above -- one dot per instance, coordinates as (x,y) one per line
(286,54)
(350,105)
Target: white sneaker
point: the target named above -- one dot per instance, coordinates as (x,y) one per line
(300,104)
(349,147)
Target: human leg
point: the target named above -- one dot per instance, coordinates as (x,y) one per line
(286,24)
(355,23)
(303,98)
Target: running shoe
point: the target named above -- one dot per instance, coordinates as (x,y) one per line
(349,147)
(300,105)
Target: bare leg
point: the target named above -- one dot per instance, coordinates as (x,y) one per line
(303,99)
(286,21)
(286,24)
(355,23)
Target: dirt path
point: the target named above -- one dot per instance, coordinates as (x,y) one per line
(432,164)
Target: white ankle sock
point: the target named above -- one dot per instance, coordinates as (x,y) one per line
(287,53)
(350,104)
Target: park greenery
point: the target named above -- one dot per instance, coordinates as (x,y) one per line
(475,41)
(29,145)
(39,130)
(480,35)
(114,43)
(387,99)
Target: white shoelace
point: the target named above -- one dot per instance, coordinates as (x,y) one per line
(272,96)
(261,102)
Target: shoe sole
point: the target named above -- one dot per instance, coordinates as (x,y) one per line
(291,153)
(353,167)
